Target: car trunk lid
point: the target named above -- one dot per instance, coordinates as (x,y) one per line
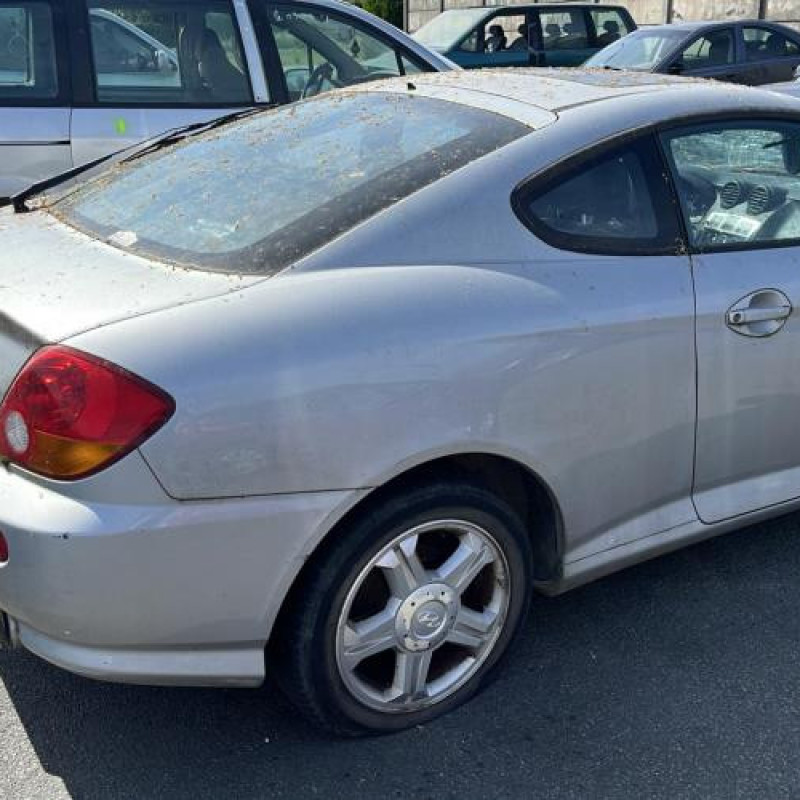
(56,282)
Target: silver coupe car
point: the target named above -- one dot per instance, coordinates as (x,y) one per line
(333,389)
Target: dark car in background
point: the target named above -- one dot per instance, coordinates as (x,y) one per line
(746,51)
(540,35)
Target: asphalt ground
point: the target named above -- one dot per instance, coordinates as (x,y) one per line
(675,679)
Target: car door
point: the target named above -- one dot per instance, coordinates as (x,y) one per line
(154,65)
(315,49)
(712,54)
(34,94)
(770,56)
(738,183)
(621,394)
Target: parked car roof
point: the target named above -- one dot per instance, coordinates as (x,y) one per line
(546,88)
(690,27)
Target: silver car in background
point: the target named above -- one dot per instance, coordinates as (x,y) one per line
(477,334)
(80,79)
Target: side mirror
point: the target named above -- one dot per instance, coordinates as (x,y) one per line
(676,68)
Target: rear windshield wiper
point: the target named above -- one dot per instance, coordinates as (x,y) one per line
(179,134)
(19,201)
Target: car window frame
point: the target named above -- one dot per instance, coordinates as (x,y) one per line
(698,122)
(677,56)
(552,8)
(259,12)
(84,74)
(63,96)
(670,242)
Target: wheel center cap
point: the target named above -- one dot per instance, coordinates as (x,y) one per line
(425,617)
(428,620)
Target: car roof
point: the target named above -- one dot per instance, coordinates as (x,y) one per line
(691,27)
(481,12)
(537,96)
(533,6)
(548,89)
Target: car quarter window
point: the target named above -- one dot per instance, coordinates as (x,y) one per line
(712,49)
(763,43)
(28,64)
(320,51)
(614,202)
(738,182)
(167,53)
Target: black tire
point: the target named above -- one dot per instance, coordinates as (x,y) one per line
(303,648)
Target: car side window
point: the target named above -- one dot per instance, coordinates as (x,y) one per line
(762,43)
(609,25)
(473,42)
(148,51)
(564,30)
(28,66)
(613,202)
(504,32)
(319,51)
(710,50)
(738,183)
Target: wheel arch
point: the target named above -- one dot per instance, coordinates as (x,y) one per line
(515,482)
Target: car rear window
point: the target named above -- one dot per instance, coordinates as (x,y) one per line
(257,195)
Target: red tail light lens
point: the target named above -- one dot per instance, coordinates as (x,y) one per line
(69,414)
(3,549)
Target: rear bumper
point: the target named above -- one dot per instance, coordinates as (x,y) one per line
(164,592)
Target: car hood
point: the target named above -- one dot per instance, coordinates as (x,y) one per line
(56,282)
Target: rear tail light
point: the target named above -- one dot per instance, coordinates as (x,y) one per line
(69,414)
(3,549)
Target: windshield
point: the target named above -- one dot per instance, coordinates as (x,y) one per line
(449,28)
(638,50)
(259,194)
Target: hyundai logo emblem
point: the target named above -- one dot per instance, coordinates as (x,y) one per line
(430,619)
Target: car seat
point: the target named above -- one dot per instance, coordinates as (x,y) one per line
(521,42)
(719,51)
(220,77)
(611,33)
(496,40)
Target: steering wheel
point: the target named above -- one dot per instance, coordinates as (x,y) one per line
(320,74)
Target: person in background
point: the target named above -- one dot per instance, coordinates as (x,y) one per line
(496,41)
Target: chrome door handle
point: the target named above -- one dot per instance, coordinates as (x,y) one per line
(747,315)
(760,313)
